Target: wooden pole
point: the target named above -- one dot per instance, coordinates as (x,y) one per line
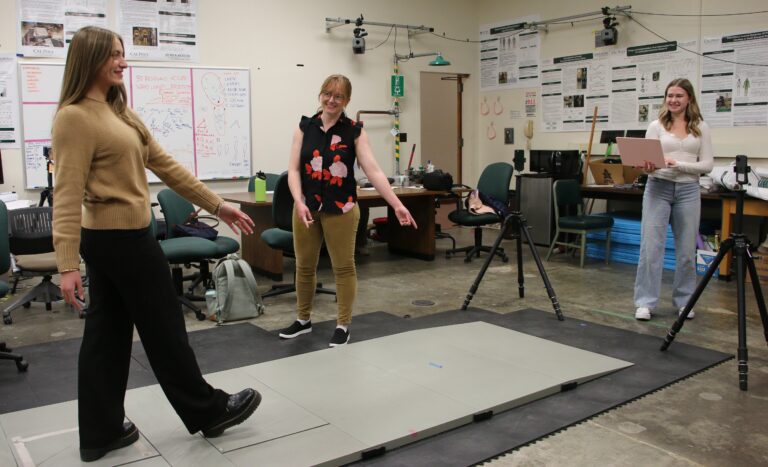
(589,148)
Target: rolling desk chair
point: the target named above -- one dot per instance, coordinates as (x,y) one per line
(5,265)
(280,237)
(31,243)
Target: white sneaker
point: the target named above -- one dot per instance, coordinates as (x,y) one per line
(691,314)
(643,313)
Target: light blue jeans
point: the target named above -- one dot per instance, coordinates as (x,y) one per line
(680,203)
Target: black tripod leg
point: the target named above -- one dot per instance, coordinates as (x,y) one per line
(488,259)
(741,353)
(758,294)
(725,247)
(520,275)
(542,272)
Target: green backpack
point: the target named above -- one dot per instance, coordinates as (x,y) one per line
(235,296)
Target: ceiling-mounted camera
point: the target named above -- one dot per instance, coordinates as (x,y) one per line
(609,35)
(358,42)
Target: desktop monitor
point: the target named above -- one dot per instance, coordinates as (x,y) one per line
(635,133)
(556,162)
(609,136)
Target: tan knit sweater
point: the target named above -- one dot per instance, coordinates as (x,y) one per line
(100,182)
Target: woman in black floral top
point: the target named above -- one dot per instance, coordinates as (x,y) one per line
(321,177)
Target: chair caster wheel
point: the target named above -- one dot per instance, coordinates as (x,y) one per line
(7,320)
(22,365)
(200,316)
(467,259)
(505,259)
(447,255)
(27,305)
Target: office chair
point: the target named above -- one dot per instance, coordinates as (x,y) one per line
(31,243)
(5,265)
(271,182)
(568,202)
(494,182)
(280,237)
(176,210)
(180,251)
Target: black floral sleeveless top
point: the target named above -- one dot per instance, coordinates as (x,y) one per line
(327,163)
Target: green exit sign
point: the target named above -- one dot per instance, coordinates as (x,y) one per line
(398,85)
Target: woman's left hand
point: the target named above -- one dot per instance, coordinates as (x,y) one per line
(671,162)
(404,216)
(236,219)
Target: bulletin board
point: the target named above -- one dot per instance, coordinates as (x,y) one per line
(201,116)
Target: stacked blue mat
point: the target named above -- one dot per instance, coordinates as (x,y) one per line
(625,242)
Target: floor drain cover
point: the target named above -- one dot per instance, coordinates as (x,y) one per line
(423,303)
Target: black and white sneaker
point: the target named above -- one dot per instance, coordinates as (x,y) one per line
(340,337)
(295,330)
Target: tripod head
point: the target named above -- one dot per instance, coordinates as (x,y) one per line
(742,169)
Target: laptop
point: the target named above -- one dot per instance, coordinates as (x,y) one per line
(636,151)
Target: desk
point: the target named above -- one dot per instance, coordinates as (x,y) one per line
(419,243)
(752,207)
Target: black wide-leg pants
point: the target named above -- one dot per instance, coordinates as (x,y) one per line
(130,284)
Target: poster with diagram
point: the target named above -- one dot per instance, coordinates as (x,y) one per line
(734,80)
(625,85)
(509,55)
(45,28)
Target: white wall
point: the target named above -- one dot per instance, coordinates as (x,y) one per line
(271,38)
(561,40)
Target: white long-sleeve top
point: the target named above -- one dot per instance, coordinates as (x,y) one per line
(693,154)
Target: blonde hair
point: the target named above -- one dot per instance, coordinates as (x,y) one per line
(692,112)
(90,48)
(340,82)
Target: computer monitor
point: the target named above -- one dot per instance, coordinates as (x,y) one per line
(609,136)
(556,162)
(635,134)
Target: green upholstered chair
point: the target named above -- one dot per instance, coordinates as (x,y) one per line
(494,182)
(280,237)
(5,265)
(185,250)
(271,182)
(570,219)
(176,210)
(31,243)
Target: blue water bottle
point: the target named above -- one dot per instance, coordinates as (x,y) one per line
(260,187)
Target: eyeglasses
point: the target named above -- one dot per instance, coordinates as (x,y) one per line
(330,96)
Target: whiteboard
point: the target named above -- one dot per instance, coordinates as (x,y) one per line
(200,116)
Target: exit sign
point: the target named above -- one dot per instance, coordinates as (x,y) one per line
(398,85)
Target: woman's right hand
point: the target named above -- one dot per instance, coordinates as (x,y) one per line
(649,167)
(304,214)
(71,285)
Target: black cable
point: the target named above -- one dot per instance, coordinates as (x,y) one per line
(384,41)
(689,50)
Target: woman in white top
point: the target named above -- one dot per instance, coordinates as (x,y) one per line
(672,195)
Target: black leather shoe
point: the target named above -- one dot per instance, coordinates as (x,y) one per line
(130,435)
(240,406)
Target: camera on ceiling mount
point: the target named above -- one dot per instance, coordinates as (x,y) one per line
(358,42)
(609,35)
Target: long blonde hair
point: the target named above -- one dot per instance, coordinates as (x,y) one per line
(692,112)
(90,48)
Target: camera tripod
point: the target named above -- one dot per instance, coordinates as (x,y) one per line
(739,244)
(517,221)
(47,193)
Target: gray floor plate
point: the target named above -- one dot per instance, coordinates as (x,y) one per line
(329,406)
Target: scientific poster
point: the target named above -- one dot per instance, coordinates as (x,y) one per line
(9,103)
(159,30)
(45,28)
(509,55)
(734,80)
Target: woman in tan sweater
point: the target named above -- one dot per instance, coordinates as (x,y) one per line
(102,212)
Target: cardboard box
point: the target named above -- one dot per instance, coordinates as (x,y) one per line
(606,174)
(613,174)
(703,260)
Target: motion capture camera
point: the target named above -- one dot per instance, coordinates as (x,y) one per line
(358,42)
(742,169)
(609,35)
